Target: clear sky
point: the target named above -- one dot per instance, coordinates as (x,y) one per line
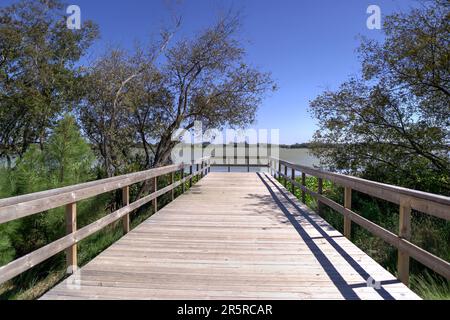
(308,45)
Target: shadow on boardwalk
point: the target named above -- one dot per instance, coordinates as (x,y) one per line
(278,196)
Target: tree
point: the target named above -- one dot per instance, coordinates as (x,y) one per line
(209,82)
(65,160)
(105,122)
(38,78)
(203,79)
(69,158)
(391,124)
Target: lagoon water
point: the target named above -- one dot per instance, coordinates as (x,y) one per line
(299,156)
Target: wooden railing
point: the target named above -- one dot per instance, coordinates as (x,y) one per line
(407,199)
(242,162)
(27,205)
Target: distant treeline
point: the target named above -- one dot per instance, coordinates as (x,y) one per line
(268,145)
(305,145)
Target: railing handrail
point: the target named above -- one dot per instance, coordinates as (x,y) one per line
(12,209)
(407,199)
(25,205)
(389,192)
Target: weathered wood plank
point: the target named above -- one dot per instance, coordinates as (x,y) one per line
(232,237)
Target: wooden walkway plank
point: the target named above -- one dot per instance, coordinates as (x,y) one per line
(233,236)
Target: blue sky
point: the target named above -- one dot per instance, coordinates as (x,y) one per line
(307,45)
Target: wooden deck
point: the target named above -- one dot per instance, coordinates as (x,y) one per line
(233,236)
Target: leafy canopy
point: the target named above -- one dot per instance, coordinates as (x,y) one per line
(391,123)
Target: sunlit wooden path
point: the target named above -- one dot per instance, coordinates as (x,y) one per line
(233,236)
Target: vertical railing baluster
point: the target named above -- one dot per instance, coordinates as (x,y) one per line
(304,185)
(285,175)
(348,205)
(190,174)
(201,168)
(155,188)
(319,191)
(293,180)
(404,232)
(279,169)
(183,185)
(126,202)
(172,181)
(71,227)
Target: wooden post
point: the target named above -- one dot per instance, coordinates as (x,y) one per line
(348,205)
(319,191)
(190,174)
(172,180)
(404,232)
(155,188)
(274,173)
(125,202)
(292,182)
(71,227)
(201,168)
(285,175)
(279,169)
(183,185)
(303,184)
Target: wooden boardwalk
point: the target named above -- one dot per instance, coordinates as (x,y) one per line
(233,236)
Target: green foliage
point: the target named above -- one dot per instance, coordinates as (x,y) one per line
(66,159)
(430,287)
(38,79)
(31,174)
(7,251)
(68,156)
(391,123)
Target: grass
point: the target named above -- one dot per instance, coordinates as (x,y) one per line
(429,287)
